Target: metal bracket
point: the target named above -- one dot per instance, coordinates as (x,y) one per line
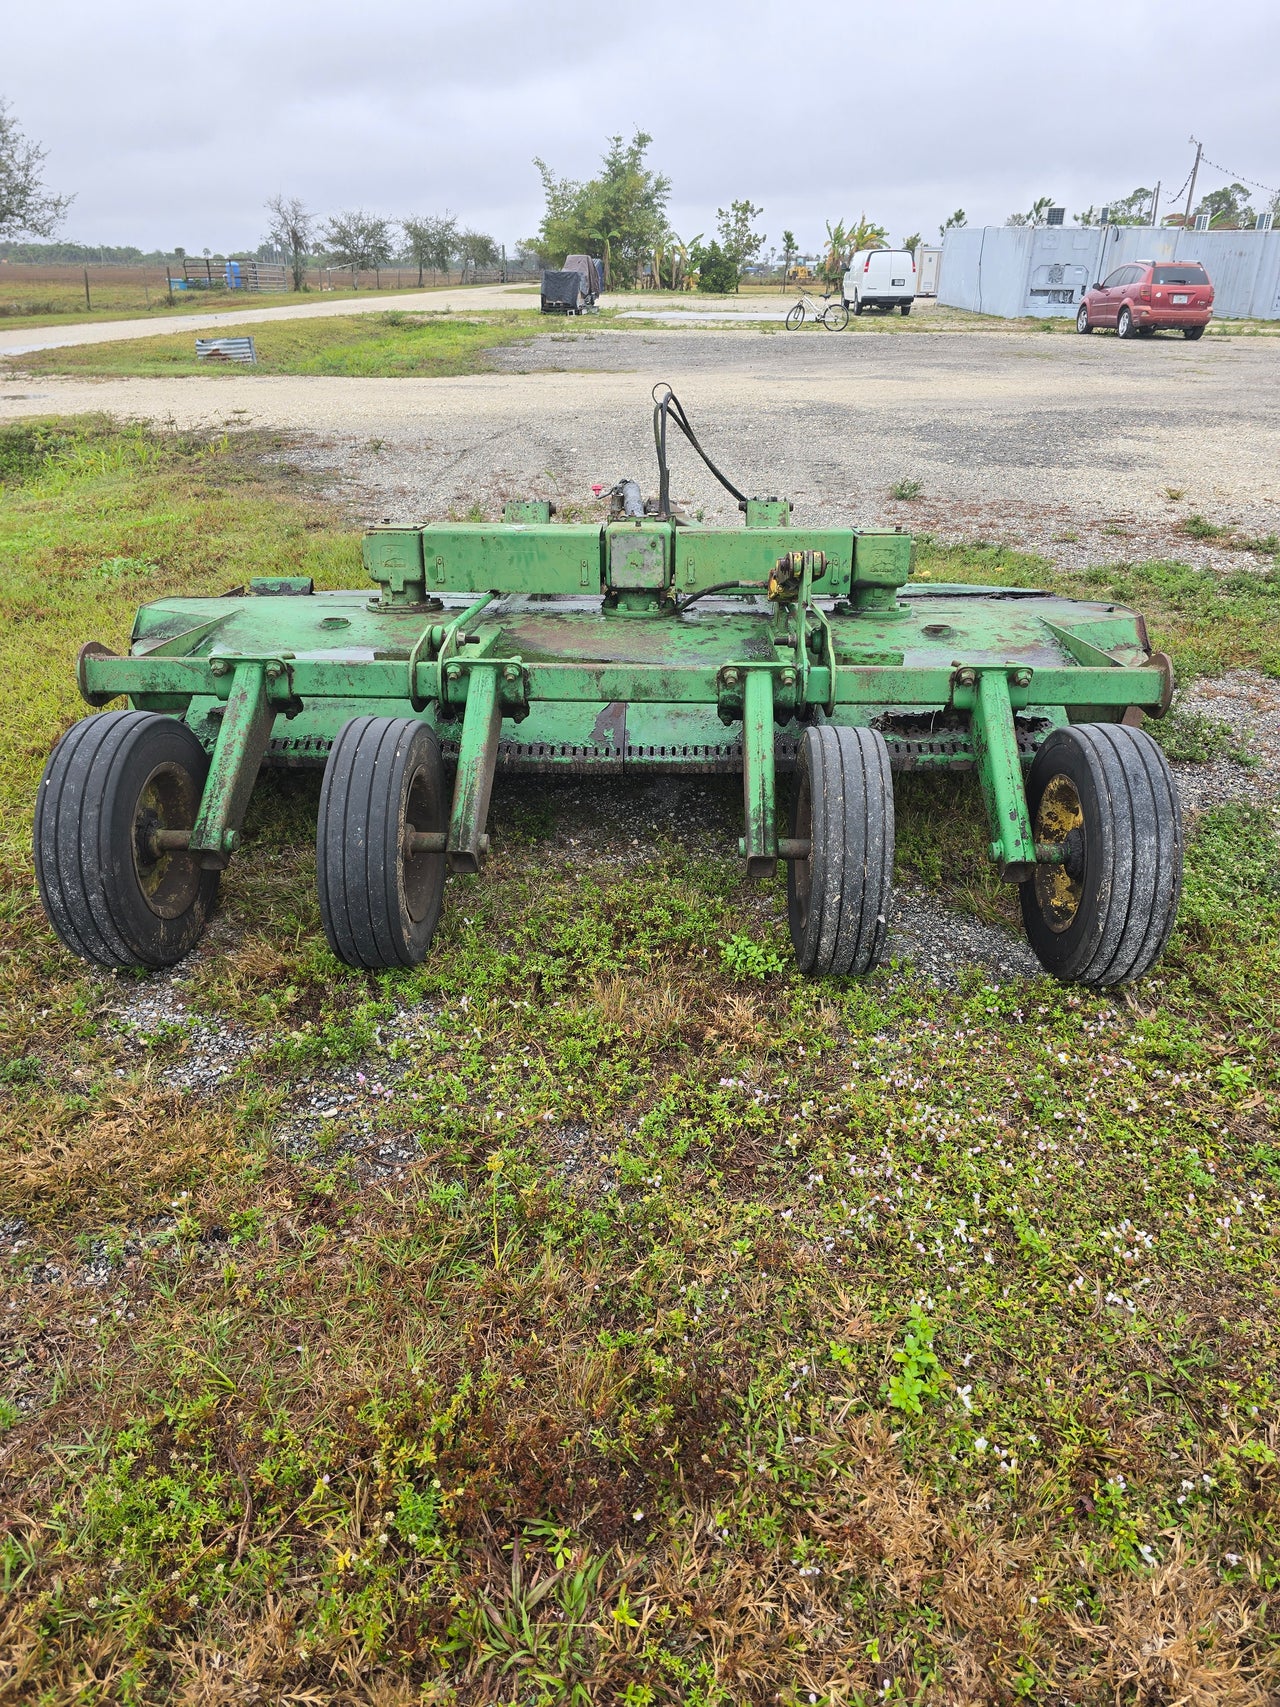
(477,760)
(758,775)
(243,737)
(995,747)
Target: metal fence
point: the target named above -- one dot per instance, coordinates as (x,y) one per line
(58,287)
(1016,270)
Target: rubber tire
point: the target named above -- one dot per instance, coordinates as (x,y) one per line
(1124,323)
(857,305)
(841,927)
(1082,318)
(1192,333)
(361,871)
(1146,331)
(835,318)
(84,839)
(904,309)
(795,317)
(1133,843)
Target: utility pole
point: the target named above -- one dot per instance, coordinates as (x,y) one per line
(1155,204)
(1192,191)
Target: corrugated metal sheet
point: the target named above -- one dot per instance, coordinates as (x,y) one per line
(1012,270)
(225,350)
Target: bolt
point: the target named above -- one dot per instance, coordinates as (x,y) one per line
(511,673)
(1022,678)
(230,841)
(452,672)
(995,849)
(219,667)
(788,678)
(274,671)
(731,678)
(966,678)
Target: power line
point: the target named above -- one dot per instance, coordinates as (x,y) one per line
(1185,182)
(1239,178)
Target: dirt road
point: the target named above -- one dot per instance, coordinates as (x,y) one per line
(20,341)
(1084,447)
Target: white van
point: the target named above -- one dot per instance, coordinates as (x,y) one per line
(881,278)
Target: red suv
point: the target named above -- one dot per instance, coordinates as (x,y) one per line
(1150,296)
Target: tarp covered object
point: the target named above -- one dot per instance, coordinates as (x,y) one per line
(590,270)
(563,291)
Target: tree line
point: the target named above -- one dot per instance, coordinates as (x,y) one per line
(434,243)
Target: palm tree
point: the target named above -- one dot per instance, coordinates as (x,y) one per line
(865,235)
(605,239)
(679,252)
(840,246)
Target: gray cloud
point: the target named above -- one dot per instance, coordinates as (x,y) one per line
(174,128)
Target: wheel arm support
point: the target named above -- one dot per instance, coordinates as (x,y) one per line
(477,761)
(237,755)
(761,841)
(995,747)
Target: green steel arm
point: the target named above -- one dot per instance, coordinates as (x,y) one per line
(233,769)
(995,746)
(758,774)
(477,759)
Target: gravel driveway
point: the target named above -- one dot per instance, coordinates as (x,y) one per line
(1068,445)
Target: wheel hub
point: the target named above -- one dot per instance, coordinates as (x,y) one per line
(1060,819)
(168,878)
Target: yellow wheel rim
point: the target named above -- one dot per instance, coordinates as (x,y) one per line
(169,880)
(1057,890)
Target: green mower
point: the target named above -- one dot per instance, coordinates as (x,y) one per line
(637,644)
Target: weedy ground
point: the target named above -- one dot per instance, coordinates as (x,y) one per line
(369,346)
(601,1312)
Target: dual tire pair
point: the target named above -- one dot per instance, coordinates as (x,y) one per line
(1100,916)
(117,897)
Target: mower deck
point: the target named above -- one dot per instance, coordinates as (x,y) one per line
(637,643)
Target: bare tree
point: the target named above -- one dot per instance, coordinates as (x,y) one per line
(25,204)
(431,241)
(358,240)
(291,227)
(477,250)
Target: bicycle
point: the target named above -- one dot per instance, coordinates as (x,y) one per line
(835,316)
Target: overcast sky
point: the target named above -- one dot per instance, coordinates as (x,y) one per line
(173,123)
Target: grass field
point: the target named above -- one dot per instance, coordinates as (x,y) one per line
(364,345)
(46,302)
(601,1312)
